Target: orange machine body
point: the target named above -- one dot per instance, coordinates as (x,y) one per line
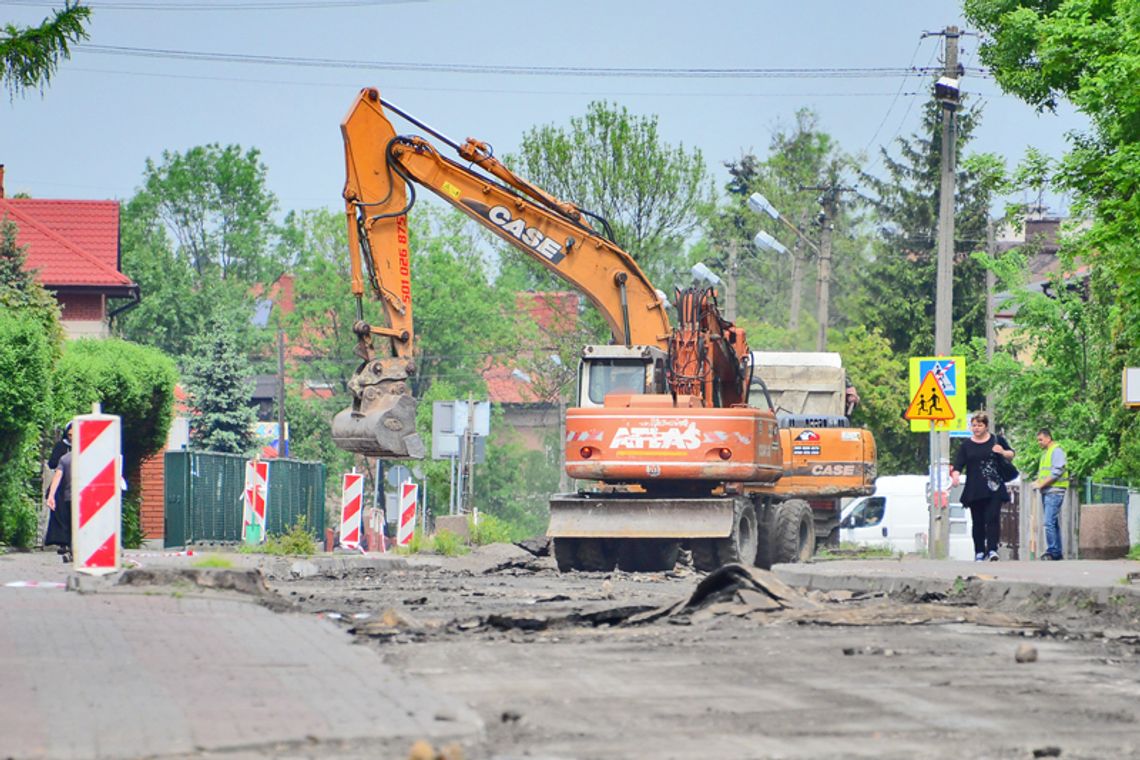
(647,439)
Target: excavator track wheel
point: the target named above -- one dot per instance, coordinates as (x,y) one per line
(740,547)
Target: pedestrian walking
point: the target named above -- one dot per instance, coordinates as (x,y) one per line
(979,457)
(59,502)
(1052,481)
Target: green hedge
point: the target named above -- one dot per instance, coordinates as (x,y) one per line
(132,381)
(25,407)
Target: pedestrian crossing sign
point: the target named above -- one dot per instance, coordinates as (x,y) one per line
(950,374)
(930,402)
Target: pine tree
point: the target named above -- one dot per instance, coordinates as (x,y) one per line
(220,391)
(899,284)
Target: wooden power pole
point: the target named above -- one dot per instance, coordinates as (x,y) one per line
(946,91)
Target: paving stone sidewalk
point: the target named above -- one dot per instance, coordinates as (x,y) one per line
(170,671)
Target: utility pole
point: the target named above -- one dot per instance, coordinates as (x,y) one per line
(730,284)
(829,201)
(282,439)
(946,90)
(799,258)
(991,252)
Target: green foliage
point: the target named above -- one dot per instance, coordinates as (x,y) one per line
(615,164)
(29,56)
(198,239)
(898,288)
(880,376)
(219,394)
(214,560)
(770,304)
(295,542)
(132,381)
(131,533)
(1088,53)
(25,408)
(491,530)
(448,544)
(515,484)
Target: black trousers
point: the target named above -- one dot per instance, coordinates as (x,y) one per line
(986,518)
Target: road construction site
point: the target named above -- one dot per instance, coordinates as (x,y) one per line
(497,655)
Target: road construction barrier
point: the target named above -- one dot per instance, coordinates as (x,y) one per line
(351,500)
(96,499)
(253,501)
(374,530)
(409,492)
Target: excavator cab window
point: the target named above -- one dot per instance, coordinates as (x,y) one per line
(615,376)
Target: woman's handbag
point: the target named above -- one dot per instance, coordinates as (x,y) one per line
(1006,468)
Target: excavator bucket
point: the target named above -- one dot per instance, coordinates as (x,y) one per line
(382,419)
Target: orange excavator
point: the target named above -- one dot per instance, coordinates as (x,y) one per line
(678,440)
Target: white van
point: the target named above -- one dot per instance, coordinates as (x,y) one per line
(897,516)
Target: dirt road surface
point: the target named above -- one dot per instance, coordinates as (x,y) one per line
(736,664)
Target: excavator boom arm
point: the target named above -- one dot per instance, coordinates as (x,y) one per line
(380,167)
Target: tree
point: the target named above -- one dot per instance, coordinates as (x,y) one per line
(25,406)
(615,165)
(30,342)
(898,286)
(198,240)
(220,391)
(132,381)
(1089,54)
(31,55)
(801,159)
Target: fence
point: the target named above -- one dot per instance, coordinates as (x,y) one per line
(1031,534)
(203,496)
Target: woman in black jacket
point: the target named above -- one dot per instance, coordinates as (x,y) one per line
(985,489)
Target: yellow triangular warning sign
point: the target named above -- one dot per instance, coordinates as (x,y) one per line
(929,403)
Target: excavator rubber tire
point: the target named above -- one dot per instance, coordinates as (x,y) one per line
(740,547)
(793,538)
(585,554)
(648,555)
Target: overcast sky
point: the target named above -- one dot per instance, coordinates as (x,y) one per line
(279,75)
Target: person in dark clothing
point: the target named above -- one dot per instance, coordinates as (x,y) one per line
(985,490)
(61,447)
(59,502)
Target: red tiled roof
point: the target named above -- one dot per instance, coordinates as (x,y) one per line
(70,243)
(547,310)
(504,388)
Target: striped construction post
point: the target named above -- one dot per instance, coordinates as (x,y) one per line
(96,499)
(409,491)
(351,500)
(253,501)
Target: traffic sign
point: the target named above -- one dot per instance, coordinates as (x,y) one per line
(930,402)
(950,371)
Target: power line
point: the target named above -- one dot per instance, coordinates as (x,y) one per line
(223,5)
(515,70)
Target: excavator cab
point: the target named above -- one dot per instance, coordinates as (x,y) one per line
(619,369)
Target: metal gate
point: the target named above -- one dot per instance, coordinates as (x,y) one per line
(203,497)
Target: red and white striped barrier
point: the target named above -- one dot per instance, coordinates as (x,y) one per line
(253,501)
(409,492)
(96,501)
(351,500)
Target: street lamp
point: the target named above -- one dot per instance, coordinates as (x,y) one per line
(761,205)
(768,243)
(701,273)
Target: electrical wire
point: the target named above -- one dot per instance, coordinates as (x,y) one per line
(519,70)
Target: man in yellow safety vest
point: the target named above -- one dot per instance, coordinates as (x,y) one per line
(1052,481)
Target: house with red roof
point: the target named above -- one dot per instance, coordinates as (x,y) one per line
(74,248)
(528,409)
